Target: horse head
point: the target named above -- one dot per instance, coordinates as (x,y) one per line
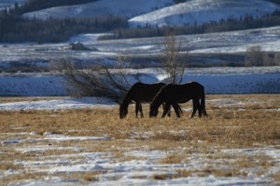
(153,111)
(123,111)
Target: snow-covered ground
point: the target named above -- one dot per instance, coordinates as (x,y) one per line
(125,173)
(137,171)
(121,173)
(59,103)
(216,43)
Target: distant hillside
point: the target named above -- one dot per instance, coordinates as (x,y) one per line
(197,12)
(162,12)
(129,18)
(125,8)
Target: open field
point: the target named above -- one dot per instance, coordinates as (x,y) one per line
(66,141)
(237,143)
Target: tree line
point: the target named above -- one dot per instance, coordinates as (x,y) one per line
(230,24)
(34,5)
(14,28)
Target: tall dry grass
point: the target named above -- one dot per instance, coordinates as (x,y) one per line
(235,121)
(252,119)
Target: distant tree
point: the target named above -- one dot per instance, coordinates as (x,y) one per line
(277,59)
(34,5)
(15,28)
(255,56)
(174,61)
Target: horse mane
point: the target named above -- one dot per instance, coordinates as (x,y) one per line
(156,102)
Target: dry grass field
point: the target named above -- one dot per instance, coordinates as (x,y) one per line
(234,122)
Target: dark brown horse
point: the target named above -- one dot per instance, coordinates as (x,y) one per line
(139,92)
(173,94)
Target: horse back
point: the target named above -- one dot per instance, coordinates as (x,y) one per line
(144,92)
(181,93)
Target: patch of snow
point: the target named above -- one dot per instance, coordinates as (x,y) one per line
(11,141)
(85,38)
(70,103)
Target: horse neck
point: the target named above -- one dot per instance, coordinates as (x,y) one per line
(157,101)
(126,101)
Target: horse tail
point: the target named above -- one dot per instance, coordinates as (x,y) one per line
(203,109)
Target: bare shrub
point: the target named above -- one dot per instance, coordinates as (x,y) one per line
(255,56)
(98,80)
(174,61)
(277,59)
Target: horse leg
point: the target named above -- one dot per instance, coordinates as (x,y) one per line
(199,109)
(141,110)
(166,108)
(163,108)
(204,112)
(177,109)
(195,107)
(203,109)
(137,105)
(169,111)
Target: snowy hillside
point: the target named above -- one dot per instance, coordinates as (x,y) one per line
(126,8)
(162,12)
(220,43)
(216,80)
(203,11)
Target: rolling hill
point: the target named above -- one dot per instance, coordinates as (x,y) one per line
(125,8)
(203,11)
(162,12)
